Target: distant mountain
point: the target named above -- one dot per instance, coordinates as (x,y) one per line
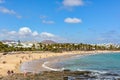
(8,41)
(48,42)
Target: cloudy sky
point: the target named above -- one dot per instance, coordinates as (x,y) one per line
(87,21)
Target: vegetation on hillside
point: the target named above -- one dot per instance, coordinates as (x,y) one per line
(57,47)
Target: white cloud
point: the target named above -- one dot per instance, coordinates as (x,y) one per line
(73,20)
(25,31)
(43,16)
(19,16)
(100,39)
(8,11)
(48,22)
(12,32)
(35,33)
(46,34)
(72,3)
(2,1)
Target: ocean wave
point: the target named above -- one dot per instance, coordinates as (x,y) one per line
(53,69)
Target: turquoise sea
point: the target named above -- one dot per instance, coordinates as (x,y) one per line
(102,66)
(102,62)
(105,66)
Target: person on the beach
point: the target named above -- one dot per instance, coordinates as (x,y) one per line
(20,61)
(12,72)
(33,72)
(25,73)
(8,72)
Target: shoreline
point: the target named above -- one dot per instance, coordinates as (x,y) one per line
(50,64)
(13,61)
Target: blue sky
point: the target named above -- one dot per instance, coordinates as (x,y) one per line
(87,21)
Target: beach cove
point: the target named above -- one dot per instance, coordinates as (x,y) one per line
(14,61)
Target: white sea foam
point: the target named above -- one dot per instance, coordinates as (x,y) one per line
(44,66)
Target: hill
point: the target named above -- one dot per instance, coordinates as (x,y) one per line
(48,42)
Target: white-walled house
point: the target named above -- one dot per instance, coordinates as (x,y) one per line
(10,42)
(16,44)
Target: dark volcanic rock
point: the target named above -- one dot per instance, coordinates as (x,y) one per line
(58,75)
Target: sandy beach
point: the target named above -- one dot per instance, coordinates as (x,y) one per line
(13,61)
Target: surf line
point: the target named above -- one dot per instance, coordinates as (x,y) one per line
(44,66)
